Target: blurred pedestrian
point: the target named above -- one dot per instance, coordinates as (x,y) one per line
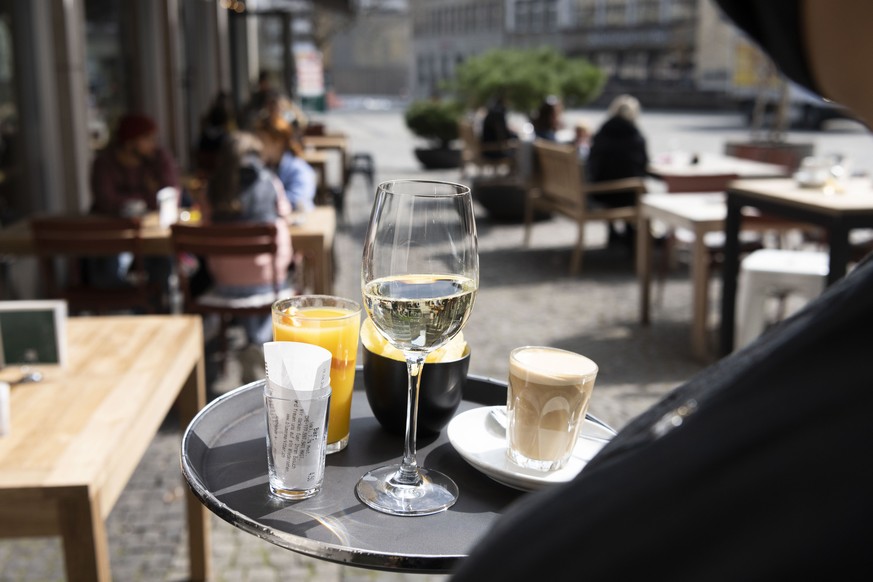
(618,151)
(125,180)
(215,128)
(282,149)
(243,189)
(254,107)
(126,176)
(548,120)
(582,140)
(496,136)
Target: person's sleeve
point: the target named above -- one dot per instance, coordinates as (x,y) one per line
(169,170)
(283,206)
(284,251)
(107,199)
(300,183)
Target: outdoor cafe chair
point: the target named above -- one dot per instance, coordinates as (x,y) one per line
(561,188)
(243,240)
(73,246)
(474,152)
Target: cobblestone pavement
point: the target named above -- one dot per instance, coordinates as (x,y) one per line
(526,297)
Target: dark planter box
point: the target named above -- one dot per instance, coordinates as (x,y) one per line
(502,198)
(438,158)
(784,154)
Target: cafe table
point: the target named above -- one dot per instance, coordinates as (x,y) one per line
(700,214)
(337,142)
(77,436)
(312,234)
(224,459)
(688,164)
(837,212)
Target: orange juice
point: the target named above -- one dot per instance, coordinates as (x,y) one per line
(333,324)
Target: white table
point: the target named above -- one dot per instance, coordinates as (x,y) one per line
(683,164)
(699,213)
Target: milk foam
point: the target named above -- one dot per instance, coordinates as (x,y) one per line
(550,366)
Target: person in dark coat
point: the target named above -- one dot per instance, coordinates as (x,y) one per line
(548,120)
(759,468)
(618,149)
(496,132)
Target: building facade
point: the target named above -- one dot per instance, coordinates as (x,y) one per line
(445,32)
(70,68)
(670,53)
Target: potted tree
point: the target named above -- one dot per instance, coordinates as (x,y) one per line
(524,78)
(436,121)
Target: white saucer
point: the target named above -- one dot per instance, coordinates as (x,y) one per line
(481,441)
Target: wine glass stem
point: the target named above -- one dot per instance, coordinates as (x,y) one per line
(408,473)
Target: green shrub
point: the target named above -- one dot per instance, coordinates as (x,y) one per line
(525,77)
(434,120)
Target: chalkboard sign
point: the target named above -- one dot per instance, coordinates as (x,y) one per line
(33,332)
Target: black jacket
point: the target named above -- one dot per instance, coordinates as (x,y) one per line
(618,150)
(768,475)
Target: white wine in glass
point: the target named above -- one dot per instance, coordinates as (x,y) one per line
(419,280)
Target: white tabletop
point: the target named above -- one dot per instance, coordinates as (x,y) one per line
(702,164)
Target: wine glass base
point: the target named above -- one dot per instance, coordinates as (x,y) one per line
(380,490)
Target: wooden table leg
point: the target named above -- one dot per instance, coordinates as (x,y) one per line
(644,265)
(83,534)
(838,241)
(191,399)
(700,307)
(730,272)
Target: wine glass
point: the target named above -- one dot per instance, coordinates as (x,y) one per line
(419,278)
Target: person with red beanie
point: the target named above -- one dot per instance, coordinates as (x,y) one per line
(125,179)
(133,168)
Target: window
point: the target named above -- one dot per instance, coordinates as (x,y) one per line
(108,82)
(10,147)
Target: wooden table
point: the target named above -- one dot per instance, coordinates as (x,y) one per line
(78,435)
(837,213)
(334,141)
(312,234)
(699,213)
(680,164)
(318,161)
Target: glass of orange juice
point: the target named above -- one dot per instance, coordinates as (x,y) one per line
(333,323)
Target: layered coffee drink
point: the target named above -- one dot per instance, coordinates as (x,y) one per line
(549,392)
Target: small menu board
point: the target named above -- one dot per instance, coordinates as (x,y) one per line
(33,332)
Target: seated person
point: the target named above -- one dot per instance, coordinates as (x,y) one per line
(281,153)
(759,467)
(618,151)
(496,134)
(215,127)
(582,140)
(126,176)
(242,189)
(125,180)
(548,119)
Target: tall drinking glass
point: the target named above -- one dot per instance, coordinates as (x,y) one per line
(419,278)
(332,323)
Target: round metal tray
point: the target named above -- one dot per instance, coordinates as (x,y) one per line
(224,460)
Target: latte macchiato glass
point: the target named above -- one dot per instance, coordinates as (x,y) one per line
(548,396)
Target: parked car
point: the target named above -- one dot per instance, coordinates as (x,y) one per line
(806,109)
